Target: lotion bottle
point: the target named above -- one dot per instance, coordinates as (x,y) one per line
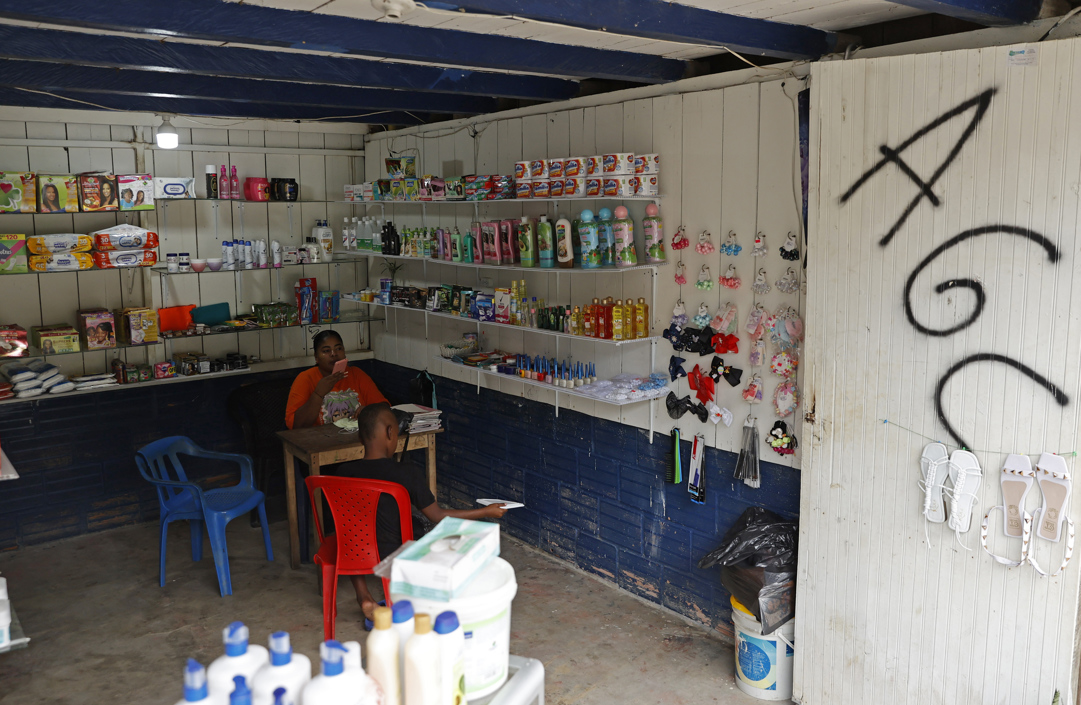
(451,640)
(564,244)
(240,659)
(422,665)
(382,649)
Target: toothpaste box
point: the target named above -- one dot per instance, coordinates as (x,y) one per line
(443,562)
(13,254)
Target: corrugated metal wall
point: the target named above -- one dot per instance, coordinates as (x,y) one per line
(882,616)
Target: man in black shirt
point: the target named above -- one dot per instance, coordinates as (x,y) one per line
(378,431)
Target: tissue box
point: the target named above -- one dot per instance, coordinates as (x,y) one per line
(441,564)
(13,254)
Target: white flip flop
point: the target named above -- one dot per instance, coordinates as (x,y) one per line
(1056,486)
(933,467)
(966,476)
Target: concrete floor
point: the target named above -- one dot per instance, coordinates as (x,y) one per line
(103,631)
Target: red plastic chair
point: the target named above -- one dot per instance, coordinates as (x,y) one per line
(352,549)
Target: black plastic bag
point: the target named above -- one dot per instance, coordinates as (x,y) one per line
(757,556)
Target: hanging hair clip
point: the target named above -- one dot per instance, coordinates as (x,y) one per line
(679,314)
(789,283)
(730,280)
(701,319)
(759,245)
(679,240)
(681,274)
(705,243)
(761,286)
(705,279)
(730,246)
(789,251)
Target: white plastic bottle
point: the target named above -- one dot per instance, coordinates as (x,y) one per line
(382,648)
(451,641)
(285,670)
(402,612)
(241,694)
(240,659)
(326,240)
(195,690)
(342,679)
(422,667)
(354,233)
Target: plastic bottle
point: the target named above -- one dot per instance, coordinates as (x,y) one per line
(623,230)
(476,236)
(234,184)
(335,684)
(422,666)
(587,233)
(195,690)
(629,332)
(605,237)
(576,242)
(545,244)
(527,243)
(609,317)
(451,641)
(241,694)
(223,184)
(456,246)
(227,261)
(402,619)
(564,244)
(617,321)
(240,659)
(383,652)
(345,233)
(653,226)
(469,248)
(598,319)
(285,670)
(641,319)
(587,321)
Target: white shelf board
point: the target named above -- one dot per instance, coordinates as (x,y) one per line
(504,267)
(519,201)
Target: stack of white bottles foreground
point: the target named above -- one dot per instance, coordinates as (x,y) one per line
(412,660)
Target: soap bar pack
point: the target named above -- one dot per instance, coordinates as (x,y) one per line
(443,562)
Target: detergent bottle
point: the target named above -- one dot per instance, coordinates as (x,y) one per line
(451,640)
(422,667)
(285,670)
(338,684)
(402,619)
(241,694)
(240,659)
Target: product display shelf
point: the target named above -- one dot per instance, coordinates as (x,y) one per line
(544,385)
(164,271)
(37,352)
(506,268)
(344,318)
(519,201)
(73,271)
(117,212)
(264,366)
(524,329)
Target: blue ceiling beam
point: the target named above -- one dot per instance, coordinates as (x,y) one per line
(213,20)
(53,76)
(192,59)
(669,21)
(198,106)
(993,13)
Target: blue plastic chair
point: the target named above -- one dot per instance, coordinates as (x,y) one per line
(182,499)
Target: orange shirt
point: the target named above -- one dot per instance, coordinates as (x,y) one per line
(357,389)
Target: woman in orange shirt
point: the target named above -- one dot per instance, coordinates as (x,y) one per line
(319,395)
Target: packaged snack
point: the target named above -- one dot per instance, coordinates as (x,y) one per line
(125,258)
(136,192)
(307,295)
(401,167)
(381,190)
(13,341)
(13,254)
(97,192)
(124,237)
(174,187)
(397,190)
(63,262)
(18,192)
(97,328)
(329,302)
(58,244)
(137,326)
(164,370)
(58,194)
(55,339)
(411,188)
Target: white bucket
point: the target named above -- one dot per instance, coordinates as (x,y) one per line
(483,609)
(763,661)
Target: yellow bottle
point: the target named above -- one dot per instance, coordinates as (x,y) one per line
(641,319)
(617,321)
(578,324)
(628,320)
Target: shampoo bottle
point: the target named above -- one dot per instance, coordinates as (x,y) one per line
(527,243)
(604,233)
(587,233)
(623,231)
(402,619)
(195,690)
(477,235)
(223,184)
(545,246)
(234,185)
(456,246)
(468,247)
(382,649)
(653,226)
(564,244)
(422,665)
(285,670)
(451,640)
(334,685)
(240,659)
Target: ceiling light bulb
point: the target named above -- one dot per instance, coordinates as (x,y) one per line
(166,137)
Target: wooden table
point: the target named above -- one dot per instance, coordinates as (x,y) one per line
(325,445)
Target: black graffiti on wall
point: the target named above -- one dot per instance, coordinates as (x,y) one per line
(981,103)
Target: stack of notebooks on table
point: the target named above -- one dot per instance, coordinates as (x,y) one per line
(424,418)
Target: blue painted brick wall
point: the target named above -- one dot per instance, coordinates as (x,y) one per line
(594,491)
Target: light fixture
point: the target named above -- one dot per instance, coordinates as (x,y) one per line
(166,137)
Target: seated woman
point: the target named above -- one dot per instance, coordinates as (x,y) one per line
(320,395)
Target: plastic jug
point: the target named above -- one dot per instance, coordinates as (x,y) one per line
(285,670)
(240,659)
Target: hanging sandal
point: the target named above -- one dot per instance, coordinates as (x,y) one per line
(966,476)
(1056,486)
(1016,480)
(934,464)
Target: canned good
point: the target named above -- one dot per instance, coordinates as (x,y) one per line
(574,167)
(574,187)
(593,187)
(538,169)
(555,168)
(521,171)
(619,163)
(540,189)
(555,188)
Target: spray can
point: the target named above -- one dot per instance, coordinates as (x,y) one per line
(623,230)
(653,225)
(605,236)
(527,242)
(545,245)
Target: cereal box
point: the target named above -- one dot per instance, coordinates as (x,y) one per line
(58,193)
(18,192)
(136,192)
(97,192)
(13,254)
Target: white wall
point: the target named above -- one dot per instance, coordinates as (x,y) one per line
(900,620)
(322,161)
(728,163)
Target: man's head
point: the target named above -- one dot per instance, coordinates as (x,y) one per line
(378,430)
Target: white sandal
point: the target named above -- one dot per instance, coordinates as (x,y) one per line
(1055,484)
(933,464)
(966,476)
(1016,480)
